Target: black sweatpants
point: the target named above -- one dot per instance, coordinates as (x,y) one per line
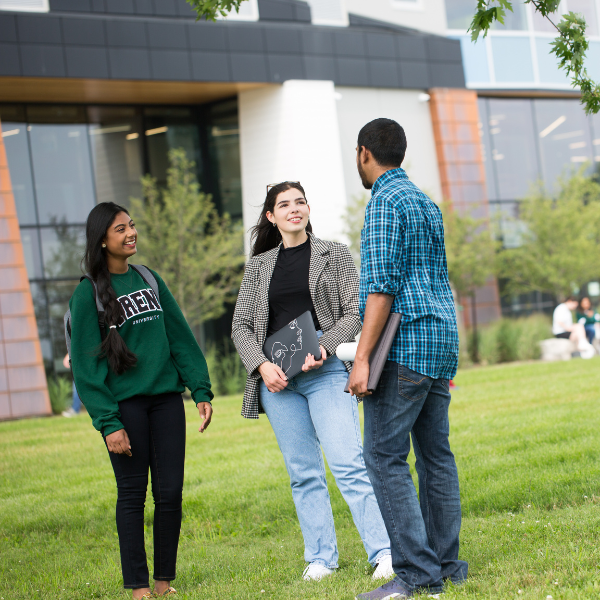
(156,429)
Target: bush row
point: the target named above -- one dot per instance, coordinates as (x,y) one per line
(507,340)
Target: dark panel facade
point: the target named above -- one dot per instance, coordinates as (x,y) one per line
(160,40)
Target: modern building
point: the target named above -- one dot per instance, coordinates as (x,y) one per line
(93,93)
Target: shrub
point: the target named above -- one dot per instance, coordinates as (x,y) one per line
(227,373)
(60,390)
(508,340)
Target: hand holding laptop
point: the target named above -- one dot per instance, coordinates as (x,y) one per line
(311,362)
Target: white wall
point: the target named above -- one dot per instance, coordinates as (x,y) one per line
(290,133)
(357,106)
(425,15)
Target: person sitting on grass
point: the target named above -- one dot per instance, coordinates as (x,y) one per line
(564,328)
(291,272)
(130,378)
(588,317)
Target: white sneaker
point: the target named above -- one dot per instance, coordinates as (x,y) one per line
(384,568)
(587,351)
(69,413)
(315,572)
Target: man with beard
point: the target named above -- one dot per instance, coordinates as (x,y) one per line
(403,270)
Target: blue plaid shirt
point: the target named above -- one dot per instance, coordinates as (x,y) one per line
(402,254)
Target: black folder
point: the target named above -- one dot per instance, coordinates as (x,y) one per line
(289,347)
(381,351)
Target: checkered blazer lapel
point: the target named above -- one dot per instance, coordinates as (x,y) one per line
(319,256)
(265,273)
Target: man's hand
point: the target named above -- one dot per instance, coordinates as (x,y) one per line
(312,363)
(205,410)
(359,379)
(118,442)
(273,376)
(377,311)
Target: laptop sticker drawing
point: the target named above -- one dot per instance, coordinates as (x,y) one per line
(288,347)
(281,355)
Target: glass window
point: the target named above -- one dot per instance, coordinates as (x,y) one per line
(56,113)
(543,24)
(19,164)
(515,20)
(475,60)
(510,228)
(459,13)
(588,9)
(564,138)
(165,129)
(62,172)
(31,250)
(513,149)
(224,145)
(58,293)
(486,149)
(62,248)
(40,305)
(548,63)
(595,121)
(115,139)
(512,59)
(592,62)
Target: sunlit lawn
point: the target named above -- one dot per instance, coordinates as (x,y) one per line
(527,442)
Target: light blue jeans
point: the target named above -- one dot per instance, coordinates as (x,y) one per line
(314,411)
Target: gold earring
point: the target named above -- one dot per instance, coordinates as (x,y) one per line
(104,245)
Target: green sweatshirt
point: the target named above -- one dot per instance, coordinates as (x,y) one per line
(155,330)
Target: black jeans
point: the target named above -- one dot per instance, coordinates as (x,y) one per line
(156,429)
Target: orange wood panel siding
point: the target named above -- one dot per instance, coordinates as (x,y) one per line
(23,387)
(455,118)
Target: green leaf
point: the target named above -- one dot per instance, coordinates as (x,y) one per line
(209,10)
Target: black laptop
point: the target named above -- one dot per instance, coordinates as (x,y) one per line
(289,347)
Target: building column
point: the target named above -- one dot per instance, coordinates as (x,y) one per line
(23,387)
(290,133)
(455,118)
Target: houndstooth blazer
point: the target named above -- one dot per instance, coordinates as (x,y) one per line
(333,284)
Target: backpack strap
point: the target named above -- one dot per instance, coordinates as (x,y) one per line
(99,305)
(146,274)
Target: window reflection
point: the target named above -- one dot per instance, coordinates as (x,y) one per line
(588,9)
(168,128)
(513,152)
(564,138)
(116,153)
(460,14)
(16,143)
(31,250)
(62,248)
(58,294)
(595,122)
(512,59)
(224,145)
(40,305)
(62,172)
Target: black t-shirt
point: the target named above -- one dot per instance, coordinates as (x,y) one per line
(289,294)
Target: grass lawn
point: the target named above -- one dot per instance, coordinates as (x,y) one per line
(527,443)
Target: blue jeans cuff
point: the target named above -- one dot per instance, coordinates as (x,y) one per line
(380,555)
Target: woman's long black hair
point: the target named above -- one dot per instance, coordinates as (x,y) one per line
(263,236)
(113,347)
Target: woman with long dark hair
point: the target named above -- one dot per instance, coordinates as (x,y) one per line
(130,372)
(291,271)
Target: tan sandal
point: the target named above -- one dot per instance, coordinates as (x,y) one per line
(170,592)
(147,595)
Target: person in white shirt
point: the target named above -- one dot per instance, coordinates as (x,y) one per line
(563,327)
